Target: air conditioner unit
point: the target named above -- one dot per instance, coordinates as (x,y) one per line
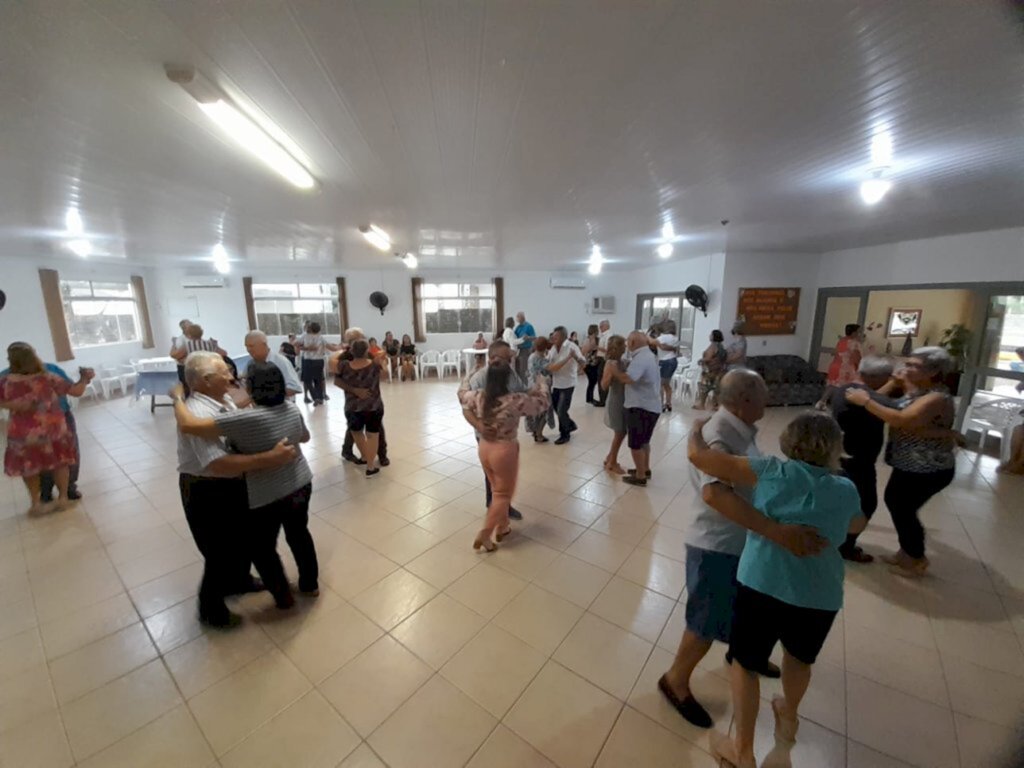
(574,283)
(602,305)
(203,281)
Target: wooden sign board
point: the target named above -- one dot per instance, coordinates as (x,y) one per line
(768,311)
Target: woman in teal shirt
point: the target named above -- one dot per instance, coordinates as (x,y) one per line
(783,597)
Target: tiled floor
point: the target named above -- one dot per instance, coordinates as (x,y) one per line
(420,652)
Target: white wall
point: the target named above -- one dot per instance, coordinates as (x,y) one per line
(24,316)
(993,256)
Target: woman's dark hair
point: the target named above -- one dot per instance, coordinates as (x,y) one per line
(23,359)
(266,384)
(510,323)
(495,386)
(717,336)
(314,327)
(851,329)
(592,330)
(359,349)
(541,344)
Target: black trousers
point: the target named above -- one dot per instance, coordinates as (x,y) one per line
(291,513)
(602,394)
(593,380)
(46,478)
(216,511)
(313,378)
(561,399)
(862,474)
(382,445)
(905,494)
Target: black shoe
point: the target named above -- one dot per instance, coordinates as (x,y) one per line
(514,514)
(688,707)
(598,405)
(372,472)
(227,620)
(574,427)
(307,400)
(562,440)
(856,555)
(327,397)
(384,461)
(769,670)
(353,458)
(632,473)
(74,494)
(634,480)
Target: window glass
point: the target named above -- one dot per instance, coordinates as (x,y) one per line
(99,313)
(458,307)
(283,308)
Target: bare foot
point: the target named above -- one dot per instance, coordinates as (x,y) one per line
(786,724)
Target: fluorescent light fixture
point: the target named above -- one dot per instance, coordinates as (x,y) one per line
(221,262)
(81,248)
(596,261)
(376,237)
(266,143)
(668,232)
(665,250)
(873,190)
(410,260)
(881,149)
(73,222)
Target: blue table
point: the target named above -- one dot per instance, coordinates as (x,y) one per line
(155,384)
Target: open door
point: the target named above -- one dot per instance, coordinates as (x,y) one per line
(837,308)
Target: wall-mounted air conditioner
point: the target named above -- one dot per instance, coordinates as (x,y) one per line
(203,281)
(602,305)
(573,283)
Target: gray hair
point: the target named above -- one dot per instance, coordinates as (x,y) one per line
(741,385)
(199,365)
(875,367)
(815,438)
(354,333)
(935,360)
(255,336)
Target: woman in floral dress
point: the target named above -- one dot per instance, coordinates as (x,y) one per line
(38,438)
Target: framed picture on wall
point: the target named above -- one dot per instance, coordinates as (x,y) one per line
(904,322)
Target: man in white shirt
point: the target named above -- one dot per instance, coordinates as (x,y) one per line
(565,361)
(258,348)
(179,342)
(604,333)
(213,492)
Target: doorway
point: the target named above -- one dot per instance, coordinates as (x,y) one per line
(656,307)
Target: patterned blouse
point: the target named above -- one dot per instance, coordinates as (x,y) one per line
(503,420)
(910,452)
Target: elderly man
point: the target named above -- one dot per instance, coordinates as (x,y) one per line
(213,491)
(642,405)
(498,351)
(526,332)
(258,348)
(565,361)
(604,329)
(715,541)
(177,343)
(351,335)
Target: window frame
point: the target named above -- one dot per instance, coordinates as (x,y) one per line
(462,295)
(335,293)
(67,302)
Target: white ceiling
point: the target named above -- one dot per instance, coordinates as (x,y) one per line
(510,133)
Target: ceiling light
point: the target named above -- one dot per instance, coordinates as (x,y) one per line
(873,190)
(81,248)
(667,231)
(881,149)
(221,262)
(665,250)
(243,129)
(376,237)
(73,222)
(410,260)
(596,261)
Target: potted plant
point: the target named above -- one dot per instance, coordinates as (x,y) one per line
(955,340)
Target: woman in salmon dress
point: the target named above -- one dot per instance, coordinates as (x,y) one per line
(38,438)
(843,368)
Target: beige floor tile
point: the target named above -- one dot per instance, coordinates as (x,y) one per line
(494,668)
(548,529)
(446,520)
(984,693)
(171,741)
(503,749)
(539,618)
(438,726)
(20,653)
(564,717)
(601,550)
(859,756)
(17,617)
(160,594)
(412,507)
(394,598)
(621,526)
(280,625)
(153,565)
(444,564)
(108,714)
(633,608)
(25,696)
(77,628)
(674,627)
(353,568)
(438,629)
(236,706)
(825,700)
(175,626)
(657,572)
(368,689)
(71,588)
(578,511)
(407,544)
(309,734)
(523,557)
(896,663)
(486,589)
(987,647)
(900,725)
(636,740)
(609,657)
(666,541)
(96,664)
(38,743)
(212,656)
(575,580)
(362,757)
(368,525)
(815,746)
(983,744)
(321,647)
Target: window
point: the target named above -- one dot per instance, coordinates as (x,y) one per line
(457,307)
(652,308)
(282,308)
(99,313)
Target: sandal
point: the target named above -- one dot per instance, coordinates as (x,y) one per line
(487,544)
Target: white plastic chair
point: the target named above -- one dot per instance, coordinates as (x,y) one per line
(1000,415)
(451,358)
(684,384)
(430,359)
(110,381)
(129,375)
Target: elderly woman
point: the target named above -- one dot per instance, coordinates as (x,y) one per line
(364,407)
(922,464)
(712,364)
(39,439)
(615,402)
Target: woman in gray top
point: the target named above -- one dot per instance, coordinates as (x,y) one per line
(921,450)
(614,414)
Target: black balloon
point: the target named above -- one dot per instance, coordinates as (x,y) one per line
(698,297)
(379,300)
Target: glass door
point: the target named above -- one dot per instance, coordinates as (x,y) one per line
(1000,370)
(653,308)
(837,308)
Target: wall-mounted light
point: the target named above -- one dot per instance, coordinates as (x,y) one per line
(221,262)
(376,236)
(266,142)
